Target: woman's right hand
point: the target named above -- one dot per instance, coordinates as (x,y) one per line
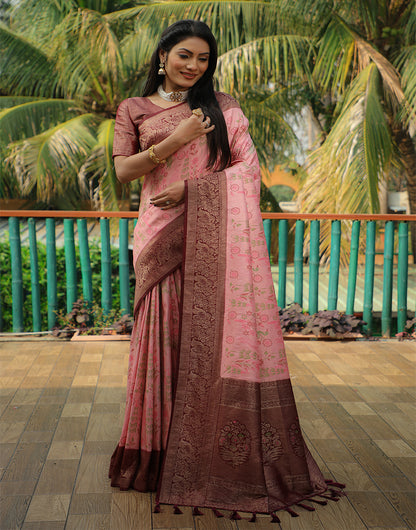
(191,128)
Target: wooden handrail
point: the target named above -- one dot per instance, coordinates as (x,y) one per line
(74,214)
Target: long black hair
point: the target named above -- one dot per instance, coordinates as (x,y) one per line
(202,94)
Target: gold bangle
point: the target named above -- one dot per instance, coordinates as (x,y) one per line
(155,159)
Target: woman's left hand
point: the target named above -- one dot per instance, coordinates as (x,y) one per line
(170,196)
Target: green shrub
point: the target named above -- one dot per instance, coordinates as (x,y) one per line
(6,323)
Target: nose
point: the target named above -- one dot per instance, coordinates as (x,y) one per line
(191,64)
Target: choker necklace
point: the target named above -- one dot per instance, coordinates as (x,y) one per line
(175,95)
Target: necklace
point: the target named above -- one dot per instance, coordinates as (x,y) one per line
(175,95)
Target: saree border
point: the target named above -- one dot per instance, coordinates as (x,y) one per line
(159,258)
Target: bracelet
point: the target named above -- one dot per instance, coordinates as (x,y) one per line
(155,159)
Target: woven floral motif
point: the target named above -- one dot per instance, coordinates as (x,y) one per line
(234,443)
(271,442)
(296,440)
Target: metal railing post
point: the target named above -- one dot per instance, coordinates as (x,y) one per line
(84,256)
(352,271)
(17,277)
(334,265)
(281,293)
(52,290)
(386,316)
(314,266)
(370,251)
(106,302)
(34,276)
(298,261)
(402,275)
(124,269)
(70,264)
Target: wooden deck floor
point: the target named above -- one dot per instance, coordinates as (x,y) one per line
(61,408)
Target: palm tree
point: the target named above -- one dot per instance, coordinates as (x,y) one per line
(351,62)
(66,66)
(365,70)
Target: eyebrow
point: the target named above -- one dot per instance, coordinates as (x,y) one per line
(189,51)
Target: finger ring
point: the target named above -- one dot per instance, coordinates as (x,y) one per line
(207,124)
(197,112)
(167,202)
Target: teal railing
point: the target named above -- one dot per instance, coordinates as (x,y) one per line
(305,263)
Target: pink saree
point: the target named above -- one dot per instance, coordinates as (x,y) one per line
(210,419)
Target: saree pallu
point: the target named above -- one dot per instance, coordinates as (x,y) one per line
(227,426)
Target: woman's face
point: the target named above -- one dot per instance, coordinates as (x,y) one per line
(185,63)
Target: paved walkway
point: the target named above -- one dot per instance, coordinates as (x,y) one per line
(61,406)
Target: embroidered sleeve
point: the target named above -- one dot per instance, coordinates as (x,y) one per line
(126,137)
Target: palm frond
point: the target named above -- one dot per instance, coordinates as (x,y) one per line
(232,22)
(345,172)
(406,65)
(97,175)
(32,117)
(47,15)
(264,60)
(88,55)
(25,70)
(335,60)
(272,133)
(49,162)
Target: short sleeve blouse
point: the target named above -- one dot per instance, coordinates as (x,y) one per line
(130,114)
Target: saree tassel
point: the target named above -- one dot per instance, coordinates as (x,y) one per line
(337,493)
(196,511)
(306,507)
(235,516)
(335,484)
(177,510)
(275,519)
(253,518)
(322,503)
(335,499)
(292,512)
(157,508)
(217,513)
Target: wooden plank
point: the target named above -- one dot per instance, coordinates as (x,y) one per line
(48,508)
(371,458)
(93,474)
(88,503)
(374,509)
(353,475)
(57,477)
(71,429)
(13,510)
(404,503)
(129,509)
(90,522)
(27,462)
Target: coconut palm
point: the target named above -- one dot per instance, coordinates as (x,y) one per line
(66,65)
(366,70)
(351,62)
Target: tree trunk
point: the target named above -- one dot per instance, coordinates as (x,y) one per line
(408,157)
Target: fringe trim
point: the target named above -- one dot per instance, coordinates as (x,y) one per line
(306,507)
(235,516)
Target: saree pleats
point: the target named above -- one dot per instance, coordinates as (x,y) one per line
(137,459)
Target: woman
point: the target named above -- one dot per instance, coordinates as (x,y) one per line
(209,392)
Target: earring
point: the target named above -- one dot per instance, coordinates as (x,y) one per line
(161,70)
